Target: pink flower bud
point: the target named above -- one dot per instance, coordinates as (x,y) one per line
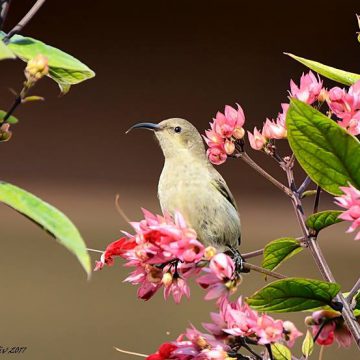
(229,147)
(238,133)
(216,155)
(257,140)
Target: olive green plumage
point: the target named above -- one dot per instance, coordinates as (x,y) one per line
(190,184)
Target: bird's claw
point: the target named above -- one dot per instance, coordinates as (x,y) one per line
(238,260)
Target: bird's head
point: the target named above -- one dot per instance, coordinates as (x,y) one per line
(176,137)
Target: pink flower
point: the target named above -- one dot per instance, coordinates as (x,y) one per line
(281,119)
(309,89)
(350,200)
(220,279)
(268,330)
(274,130)
(164,252)
(346,106)
(217,155)
(334,329)
(291,333)
(226,129)
(257,140)
(177,288)
(351,123)
(225,124)
(240,319)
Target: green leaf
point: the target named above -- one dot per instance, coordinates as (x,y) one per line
(323,219)
(5,52)
(49,218)
(307,345)
(326,151)
(280,352)
(293,294)
(10,120)
(341,76)
(63,68)
(277,251)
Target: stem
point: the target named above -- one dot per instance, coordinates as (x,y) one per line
(244,156)
(252,254)
(18,100)
(317,199)
(319,331)
(251,351)
(321,354)
(4,10)
(130,352)
(304,186)
(263,271)
(268,347)
(319,259)
(353,292)
(20,25)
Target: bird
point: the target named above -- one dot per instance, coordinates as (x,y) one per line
(191,185)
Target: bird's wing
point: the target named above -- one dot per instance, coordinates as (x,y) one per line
(220,184)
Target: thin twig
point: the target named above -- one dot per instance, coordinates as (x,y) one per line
(251,351)
(130,352)
(317,199)
(21,24)
(321,328)
(353,292)
(268,347)
(244,156)
(94,250)
(4,10)
(304,186)
(120,210)
(261,270)
(252,254)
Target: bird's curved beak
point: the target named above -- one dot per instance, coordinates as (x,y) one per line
(149,126)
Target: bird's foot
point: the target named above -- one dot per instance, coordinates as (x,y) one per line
(238,260)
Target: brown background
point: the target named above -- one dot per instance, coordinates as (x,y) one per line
(154,60)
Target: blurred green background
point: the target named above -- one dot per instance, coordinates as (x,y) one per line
(153,60)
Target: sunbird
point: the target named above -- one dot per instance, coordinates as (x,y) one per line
(190,184)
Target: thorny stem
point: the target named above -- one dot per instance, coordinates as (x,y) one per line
(20,25)
(353,292)
(261,270)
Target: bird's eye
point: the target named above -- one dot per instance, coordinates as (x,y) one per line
(177,129)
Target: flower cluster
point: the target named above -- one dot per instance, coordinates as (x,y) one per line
(350,200)
(226,129)
(234,323)
(165,253)
(310,90)
(346,106)
(327,326)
